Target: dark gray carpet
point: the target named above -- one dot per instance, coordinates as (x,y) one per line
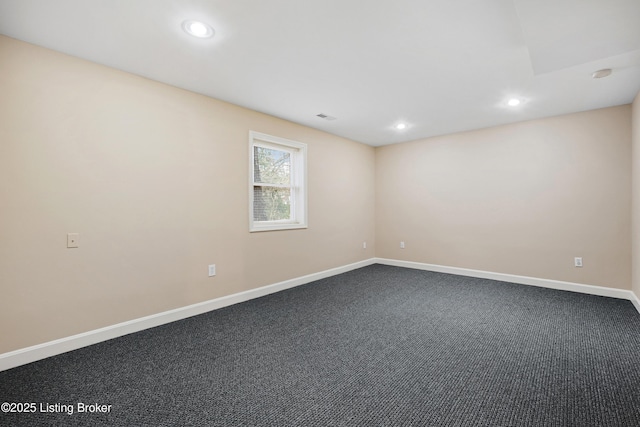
(378,346)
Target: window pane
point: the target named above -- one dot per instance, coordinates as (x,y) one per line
(271,203)
(277,183)
(271,166)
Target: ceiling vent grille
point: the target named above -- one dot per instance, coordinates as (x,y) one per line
(325,116)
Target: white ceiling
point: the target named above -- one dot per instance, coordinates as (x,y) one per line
(441,66)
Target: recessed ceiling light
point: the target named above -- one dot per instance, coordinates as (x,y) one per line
(198,29)
(602,73)
(513,102)
(401,126)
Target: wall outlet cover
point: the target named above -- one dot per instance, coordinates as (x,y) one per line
(73,240)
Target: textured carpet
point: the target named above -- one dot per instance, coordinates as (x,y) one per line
(378,346)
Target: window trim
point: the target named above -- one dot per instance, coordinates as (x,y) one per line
(298,152)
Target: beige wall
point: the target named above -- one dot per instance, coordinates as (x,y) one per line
(155,180)
(635,125)
(520,199)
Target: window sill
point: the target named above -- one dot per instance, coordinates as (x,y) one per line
(275,227)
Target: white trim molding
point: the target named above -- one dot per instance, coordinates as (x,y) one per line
(523,280)
(635,301)
(52,348)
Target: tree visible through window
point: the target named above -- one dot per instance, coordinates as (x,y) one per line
(272,184)
(278,193)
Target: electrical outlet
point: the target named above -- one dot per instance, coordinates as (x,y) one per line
(401,245)
(212,270)
(73,240)
(577,261)
(364,245)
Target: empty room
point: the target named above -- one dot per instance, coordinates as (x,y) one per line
(338,213)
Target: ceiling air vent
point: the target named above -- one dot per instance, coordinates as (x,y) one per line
(326,117)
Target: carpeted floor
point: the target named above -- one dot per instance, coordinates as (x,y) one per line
(378,346)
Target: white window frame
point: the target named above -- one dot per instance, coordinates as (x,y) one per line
(298,152)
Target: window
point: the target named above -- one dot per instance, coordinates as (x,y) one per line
(277,183)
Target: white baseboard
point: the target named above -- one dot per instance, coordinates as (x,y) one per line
(524,280)
(635,301)
(52,348)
